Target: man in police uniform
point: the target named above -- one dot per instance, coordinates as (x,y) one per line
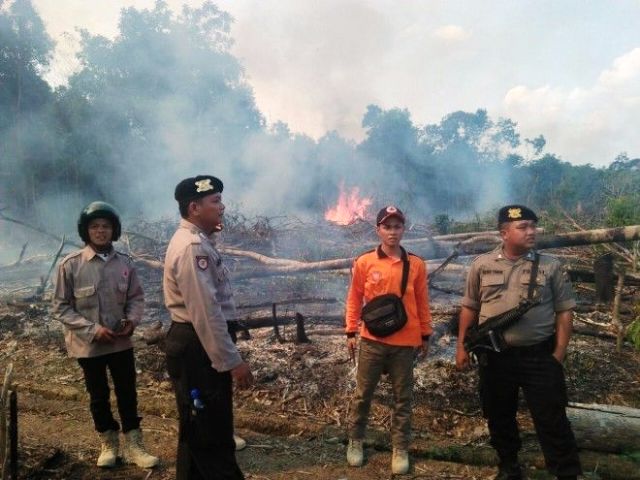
(537,344)
(99,300)
(201,355)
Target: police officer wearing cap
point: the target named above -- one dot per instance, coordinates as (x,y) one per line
(202,359)
(536,345)
(99,300)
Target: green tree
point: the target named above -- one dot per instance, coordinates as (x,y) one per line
(26,141)
(164,96)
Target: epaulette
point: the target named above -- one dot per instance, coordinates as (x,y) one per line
(485,254)
(70,256)
(125,255)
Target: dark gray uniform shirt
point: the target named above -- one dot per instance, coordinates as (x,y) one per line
(496,284)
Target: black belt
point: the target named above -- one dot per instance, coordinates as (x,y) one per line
(546,346)
(182,325)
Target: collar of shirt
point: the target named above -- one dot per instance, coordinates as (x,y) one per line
(88,253)
(529,256)
(382,255)
(197,230)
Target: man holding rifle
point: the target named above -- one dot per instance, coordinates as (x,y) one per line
(527,300)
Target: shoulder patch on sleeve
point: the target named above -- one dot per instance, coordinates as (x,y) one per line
(202,261)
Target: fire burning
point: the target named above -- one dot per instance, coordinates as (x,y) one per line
(350,207)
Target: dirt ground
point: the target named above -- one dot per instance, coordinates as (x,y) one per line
(294,417)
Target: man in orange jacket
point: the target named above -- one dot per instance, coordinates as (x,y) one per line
(376,273)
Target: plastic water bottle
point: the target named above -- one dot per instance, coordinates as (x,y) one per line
(196,402)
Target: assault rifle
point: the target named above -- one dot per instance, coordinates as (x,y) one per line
(490,334)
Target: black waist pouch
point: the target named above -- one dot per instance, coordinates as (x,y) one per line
(384,315)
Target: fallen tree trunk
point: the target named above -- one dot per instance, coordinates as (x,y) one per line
(605,428)
(484,243)
(479,244)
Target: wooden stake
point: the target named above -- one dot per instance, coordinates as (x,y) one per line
(615,318)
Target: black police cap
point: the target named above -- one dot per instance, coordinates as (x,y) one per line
(512,213)
(388,212)
(193,188)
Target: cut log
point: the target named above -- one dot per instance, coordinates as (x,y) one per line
(479,244)
(484,243)
(605,428)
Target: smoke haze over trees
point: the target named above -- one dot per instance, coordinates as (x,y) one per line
(166,99)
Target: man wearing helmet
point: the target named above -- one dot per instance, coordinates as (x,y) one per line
(99,300)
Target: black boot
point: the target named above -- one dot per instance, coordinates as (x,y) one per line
(567,477)
(509,471)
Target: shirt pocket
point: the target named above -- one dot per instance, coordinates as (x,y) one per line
(541,289)
(86,297)
(492,286)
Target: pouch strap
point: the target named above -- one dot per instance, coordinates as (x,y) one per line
(405,272)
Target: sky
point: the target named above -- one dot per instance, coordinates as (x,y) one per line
(569,70)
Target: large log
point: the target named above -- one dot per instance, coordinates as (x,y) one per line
(484,243)
(605,428)
(479,244)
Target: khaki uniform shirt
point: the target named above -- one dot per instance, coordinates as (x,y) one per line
(197,290)
(90,291)
(496,284)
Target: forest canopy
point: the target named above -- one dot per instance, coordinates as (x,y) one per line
(166,99)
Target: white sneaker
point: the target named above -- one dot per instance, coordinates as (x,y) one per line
(400,461)
(240,442)
(355,456)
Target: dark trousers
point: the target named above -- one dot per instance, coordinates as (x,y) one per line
(541,378)
(206,450)
(121,365)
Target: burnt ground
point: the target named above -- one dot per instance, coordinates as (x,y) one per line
(294,416)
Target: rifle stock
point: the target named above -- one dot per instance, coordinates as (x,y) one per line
(489,335)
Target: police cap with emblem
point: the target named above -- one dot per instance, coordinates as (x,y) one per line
(193,188)
(388,212)
(512,213)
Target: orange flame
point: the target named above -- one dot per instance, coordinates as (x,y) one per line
(350,207)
